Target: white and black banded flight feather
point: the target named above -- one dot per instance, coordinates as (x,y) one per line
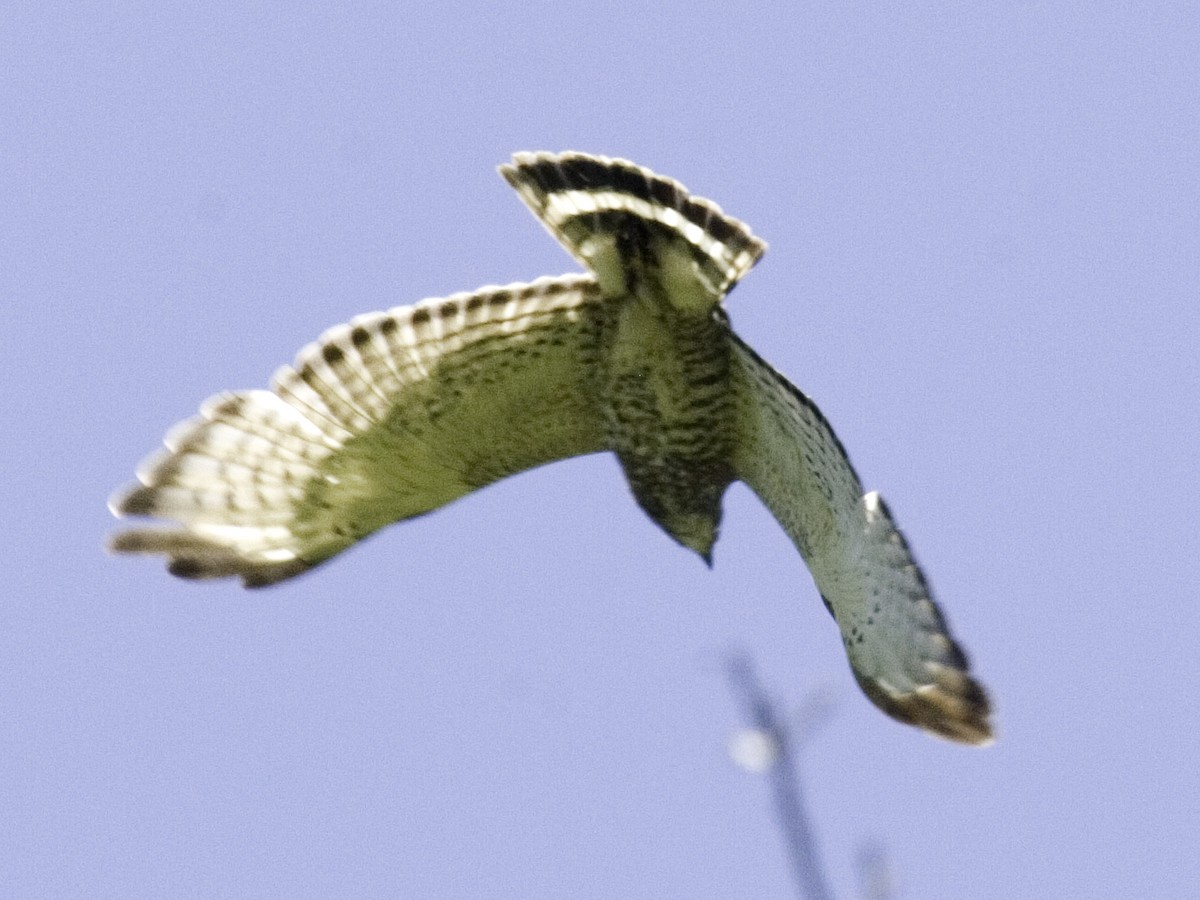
(398,413)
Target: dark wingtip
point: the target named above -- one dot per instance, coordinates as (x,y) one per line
(136,500)
(955,707)
(197,559)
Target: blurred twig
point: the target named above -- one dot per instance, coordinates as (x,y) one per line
(773,743)
(874,876)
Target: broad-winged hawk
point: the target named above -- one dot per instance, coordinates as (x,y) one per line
(400,412)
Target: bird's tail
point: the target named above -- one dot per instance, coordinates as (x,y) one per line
(629,225)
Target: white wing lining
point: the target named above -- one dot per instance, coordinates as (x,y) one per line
(897,639)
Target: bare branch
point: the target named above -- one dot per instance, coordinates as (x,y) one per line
(875,880)
(769,735)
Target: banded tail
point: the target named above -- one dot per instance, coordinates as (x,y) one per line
(630,226)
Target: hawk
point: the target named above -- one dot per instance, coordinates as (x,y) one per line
(398,413)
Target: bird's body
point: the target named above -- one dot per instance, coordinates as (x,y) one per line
(399,413)
(667,402)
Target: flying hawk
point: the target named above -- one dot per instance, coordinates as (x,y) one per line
(400,412)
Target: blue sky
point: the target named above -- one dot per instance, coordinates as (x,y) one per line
(984,267)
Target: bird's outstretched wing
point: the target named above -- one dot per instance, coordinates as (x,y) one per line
(388,417)
(897,639)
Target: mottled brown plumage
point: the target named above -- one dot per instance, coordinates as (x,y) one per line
(399,413)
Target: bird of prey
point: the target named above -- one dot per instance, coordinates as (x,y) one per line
(398,413)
